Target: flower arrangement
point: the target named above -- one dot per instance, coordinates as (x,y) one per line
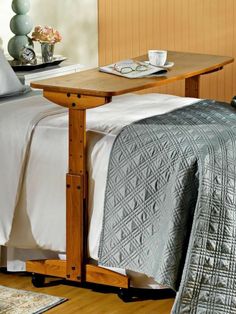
(46,34)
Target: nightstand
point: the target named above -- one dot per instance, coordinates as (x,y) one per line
(26,77)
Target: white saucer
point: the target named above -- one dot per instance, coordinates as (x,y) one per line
(167,65)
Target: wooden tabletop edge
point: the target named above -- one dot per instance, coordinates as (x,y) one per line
(44,84)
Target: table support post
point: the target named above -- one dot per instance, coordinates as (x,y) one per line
(76,194)
(192,86)
(76,267)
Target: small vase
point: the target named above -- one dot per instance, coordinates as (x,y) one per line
(47,51)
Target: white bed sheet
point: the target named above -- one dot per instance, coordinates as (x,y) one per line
(41,207)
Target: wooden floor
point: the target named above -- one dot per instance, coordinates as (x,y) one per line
(88,301)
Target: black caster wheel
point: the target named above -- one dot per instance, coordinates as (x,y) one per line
(233,102)
(38,280)
(125,295)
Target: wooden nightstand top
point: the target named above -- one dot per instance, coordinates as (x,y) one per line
(66,67)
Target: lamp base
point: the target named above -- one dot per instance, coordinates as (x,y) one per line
(17,43)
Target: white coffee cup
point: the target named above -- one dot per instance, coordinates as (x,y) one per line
(157,57)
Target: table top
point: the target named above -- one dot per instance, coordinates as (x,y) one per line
(95,83)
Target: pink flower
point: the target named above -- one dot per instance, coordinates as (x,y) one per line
(46,34)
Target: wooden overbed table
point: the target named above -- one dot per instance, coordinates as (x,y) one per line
(90,89)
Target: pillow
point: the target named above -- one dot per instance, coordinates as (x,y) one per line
(9,82)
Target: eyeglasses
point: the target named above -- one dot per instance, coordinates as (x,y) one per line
(128,68)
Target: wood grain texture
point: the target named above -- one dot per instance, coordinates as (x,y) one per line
(99,275)
(192,86)
(75,101)
(128,28)
(77,142)
(74,227)
(89,301)
(47,267)
(75,267)
(95,83)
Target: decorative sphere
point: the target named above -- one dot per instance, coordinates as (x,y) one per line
(21,24)
(20,6)
(17,43)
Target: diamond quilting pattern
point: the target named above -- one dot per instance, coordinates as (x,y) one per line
(170,205)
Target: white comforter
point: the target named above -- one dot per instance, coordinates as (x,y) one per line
(37,203)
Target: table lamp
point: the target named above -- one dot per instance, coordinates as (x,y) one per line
(21,25)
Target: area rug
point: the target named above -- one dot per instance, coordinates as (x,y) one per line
(14,301)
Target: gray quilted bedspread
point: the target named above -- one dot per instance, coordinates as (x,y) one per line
(170,205)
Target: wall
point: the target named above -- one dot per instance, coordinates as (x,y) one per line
(128,28)
(75,19)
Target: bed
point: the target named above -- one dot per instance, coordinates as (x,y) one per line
(39,207)
(42,203)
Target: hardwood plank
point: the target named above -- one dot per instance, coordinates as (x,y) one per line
(88,301)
